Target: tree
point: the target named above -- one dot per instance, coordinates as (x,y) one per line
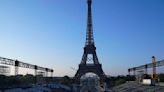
(65,80)
(161,77)
(120,81)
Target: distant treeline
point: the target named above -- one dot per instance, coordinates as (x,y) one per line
(24,81)
(29,80)
(117,80)
(161,77)
(21,81)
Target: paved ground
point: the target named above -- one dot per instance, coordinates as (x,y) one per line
(135,87)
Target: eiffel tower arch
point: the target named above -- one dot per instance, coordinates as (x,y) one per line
(89,54)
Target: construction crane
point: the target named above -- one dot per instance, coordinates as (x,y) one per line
(73,69)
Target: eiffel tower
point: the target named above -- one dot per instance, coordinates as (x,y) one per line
(89,53)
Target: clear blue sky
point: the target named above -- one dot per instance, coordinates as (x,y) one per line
(51,33)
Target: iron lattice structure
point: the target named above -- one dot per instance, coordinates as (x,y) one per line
(89,49)
(145,67)
(150,65)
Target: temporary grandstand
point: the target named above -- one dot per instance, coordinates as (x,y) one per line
(4,70)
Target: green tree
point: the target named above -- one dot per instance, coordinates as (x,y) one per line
(120,81)
(65,80)
(161,77)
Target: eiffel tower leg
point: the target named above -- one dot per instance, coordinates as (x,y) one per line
(95,59)
(84,59)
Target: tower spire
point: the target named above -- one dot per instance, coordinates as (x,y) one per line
(89,36)
(89,48)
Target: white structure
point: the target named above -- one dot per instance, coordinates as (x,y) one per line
(147,81)
(4,70)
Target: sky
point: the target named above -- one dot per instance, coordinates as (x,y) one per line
(51,33)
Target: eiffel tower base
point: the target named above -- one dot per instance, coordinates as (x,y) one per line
(87,68)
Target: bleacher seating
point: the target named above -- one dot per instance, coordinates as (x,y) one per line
(39,88)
